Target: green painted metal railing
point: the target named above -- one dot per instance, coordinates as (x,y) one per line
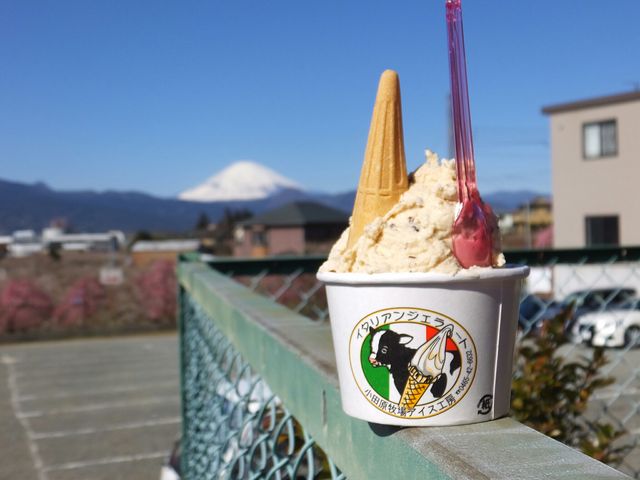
(260,401)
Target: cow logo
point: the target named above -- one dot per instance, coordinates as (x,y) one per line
(412,362)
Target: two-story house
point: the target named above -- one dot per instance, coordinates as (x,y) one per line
(295,229)
(595,156)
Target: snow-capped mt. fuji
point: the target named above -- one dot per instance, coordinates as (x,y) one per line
(242,180)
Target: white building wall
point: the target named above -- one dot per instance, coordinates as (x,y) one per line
(604,186)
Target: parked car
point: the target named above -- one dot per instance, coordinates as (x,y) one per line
(251,395)
(616,327)
(584,302)
(534,311)
(171,468)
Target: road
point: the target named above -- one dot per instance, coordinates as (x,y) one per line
(88,409)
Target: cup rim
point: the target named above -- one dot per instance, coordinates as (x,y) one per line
(508,272)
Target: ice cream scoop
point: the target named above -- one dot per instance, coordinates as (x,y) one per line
(415,235)
(475,225)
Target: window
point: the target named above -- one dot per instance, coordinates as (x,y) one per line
(260,238)
(602,231)
(600,139)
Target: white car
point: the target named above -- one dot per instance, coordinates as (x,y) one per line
(171,468)
(612,328)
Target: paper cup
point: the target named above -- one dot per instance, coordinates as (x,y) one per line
(424,348)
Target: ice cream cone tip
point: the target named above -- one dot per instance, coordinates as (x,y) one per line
(389,86)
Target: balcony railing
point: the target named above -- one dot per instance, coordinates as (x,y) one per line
(260,390)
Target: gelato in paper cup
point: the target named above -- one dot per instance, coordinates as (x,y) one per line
(425,349)
(419,339)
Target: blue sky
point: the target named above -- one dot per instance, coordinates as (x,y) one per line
(158,95)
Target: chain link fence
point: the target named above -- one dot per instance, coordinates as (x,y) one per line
(598,286)
(235,427)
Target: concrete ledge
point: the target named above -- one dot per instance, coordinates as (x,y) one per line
(295,357)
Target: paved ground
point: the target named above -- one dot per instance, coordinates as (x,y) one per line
(88,409)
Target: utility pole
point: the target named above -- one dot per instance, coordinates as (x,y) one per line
(528,224)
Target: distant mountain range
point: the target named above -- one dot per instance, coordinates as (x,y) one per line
(33,206)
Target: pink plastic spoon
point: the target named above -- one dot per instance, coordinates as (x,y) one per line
(475,225)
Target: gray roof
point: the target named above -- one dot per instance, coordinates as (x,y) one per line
(592,102)
(299,214)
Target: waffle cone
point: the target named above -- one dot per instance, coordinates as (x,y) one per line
(384,172)
(416,385)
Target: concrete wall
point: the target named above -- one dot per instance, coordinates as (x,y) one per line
(604,186)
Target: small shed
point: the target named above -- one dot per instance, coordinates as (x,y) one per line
(145,252)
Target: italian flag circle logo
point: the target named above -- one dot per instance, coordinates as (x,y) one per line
(412,362)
